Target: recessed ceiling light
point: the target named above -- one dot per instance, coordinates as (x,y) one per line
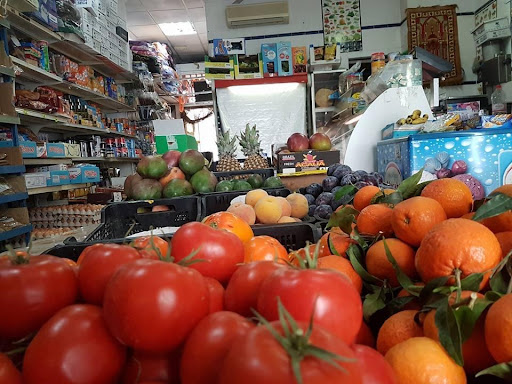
(177,29)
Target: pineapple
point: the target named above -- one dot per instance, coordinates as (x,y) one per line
(249,141)
(227,148)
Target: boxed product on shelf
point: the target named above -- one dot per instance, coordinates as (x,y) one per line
(219,68)
(481,157)
(28,149)
(284,58)
(84,173)
(269,57)
(248,66)
(299,59)
(36,179)
(57,178)
(72,150)
(306,162)
(76,215)
(55,150)
(47,13)
(10,185)
(10,156)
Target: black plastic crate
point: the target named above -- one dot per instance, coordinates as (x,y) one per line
(293,236)
(265,173)
(220,201)
(123,219)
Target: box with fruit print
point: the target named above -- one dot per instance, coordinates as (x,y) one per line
(482,159)
(308,162)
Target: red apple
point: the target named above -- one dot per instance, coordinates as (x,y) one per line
(172,158)
(174,173)
(320,142)
(298,142)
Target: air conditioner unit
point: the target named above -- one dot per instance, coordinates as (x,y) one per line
(239,16)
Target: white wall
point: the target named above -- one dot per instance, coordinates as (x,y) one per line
(504,11)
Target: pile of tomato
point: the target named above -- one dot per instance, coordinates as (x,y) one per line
(189,311)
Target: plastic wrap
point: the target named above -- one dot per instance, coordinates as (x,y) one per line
(278,110)
(69,15)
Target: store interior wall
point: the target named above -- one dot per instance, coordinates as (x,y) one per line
(505,10)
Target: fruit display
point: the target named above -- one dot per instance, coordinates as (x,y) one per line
(322,197)
(251,148)
(173,174)
(404,286)
(414,118)
(299,142)
(227,148)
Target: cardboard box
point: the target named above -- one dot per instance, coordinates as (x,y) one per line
(24,5)
(47,13)
(12,155)
(248,66)
(83,173)
(28,149)
(36,179)
(309,162)
(393,131)
(72,150)
(226,47)
(55,150)
(269,57)
(16,184)
(299,59)
(284,58)
(219,68)
(57,178)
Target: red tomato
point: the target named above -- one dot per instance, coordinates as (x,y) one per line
(336,303)
(98,266)
(373,367)
(152,305)
(259,358)
(150,367)
(32,292)
(220,250)
(151,247)
(74,346)
(216,291)
(8,372)
(365,336)
(208,345)
(244,286)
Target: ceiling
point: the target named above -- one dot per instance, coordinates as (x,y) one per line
(145,15)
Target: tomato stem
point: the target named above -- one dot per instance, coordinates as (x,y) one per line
(15,258)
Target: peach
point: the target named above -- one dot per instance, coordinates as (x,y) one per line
(243,211)
(268,210)
(174,173)
(254,196)
(286,219)
(299,205)
(285,206)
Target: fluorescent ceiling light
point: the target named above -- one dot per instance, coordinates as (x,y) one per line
(177,29)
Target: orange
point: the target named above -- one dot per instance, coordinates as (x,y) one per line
(414,217)
(334,242)
(498,329)
(364,196)
(378,265)
(468,216)
(375,219)
(261,248)
(381,193)
(398,328)
(503,222)
(454,196)
(457,244)
(343,266)
(365,336)
(505,239)
(421,360)
(474,351)
(231,223)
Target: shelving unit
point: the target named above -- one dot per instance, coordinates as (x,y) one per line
(57,188)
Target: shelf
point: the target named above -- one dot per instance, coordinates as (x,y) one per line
(4,119)
(7,169)
(299,78)
(15,232)
(28,116)
(33,74)
(83,130)
(107,159)
(57,188)
(30,27)
(14,197)
(46,161)
(200,104)
(7,71)
(325,109)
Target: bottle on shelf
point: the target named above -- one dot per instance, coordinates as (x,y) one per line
(498,103)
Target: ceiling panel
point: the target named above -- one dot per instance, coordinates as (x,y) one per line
(170,16)
(134,5)
(139,18)
(148,32)
(200,27)
(194,4)
(197,14)
(154,5)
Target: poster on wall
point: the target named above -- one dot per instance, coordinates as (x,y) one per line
(342,24)
(489,11)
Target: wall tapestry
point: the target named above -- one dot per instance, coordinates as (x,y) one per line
(435,29)
(342,24)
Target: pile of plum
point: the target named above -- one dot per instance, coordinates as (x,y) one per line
(321,200)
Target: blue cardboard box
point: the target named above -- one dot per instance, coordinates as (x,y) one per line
(393,131)
(487,153)
(58,178)
(269,57)
(55,150)
(28,149)
(47,14)
(284,58)
(84,174)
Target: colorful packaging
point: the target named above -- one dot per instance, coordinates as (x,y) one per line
(284,58)
(269,57)
(300,58)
